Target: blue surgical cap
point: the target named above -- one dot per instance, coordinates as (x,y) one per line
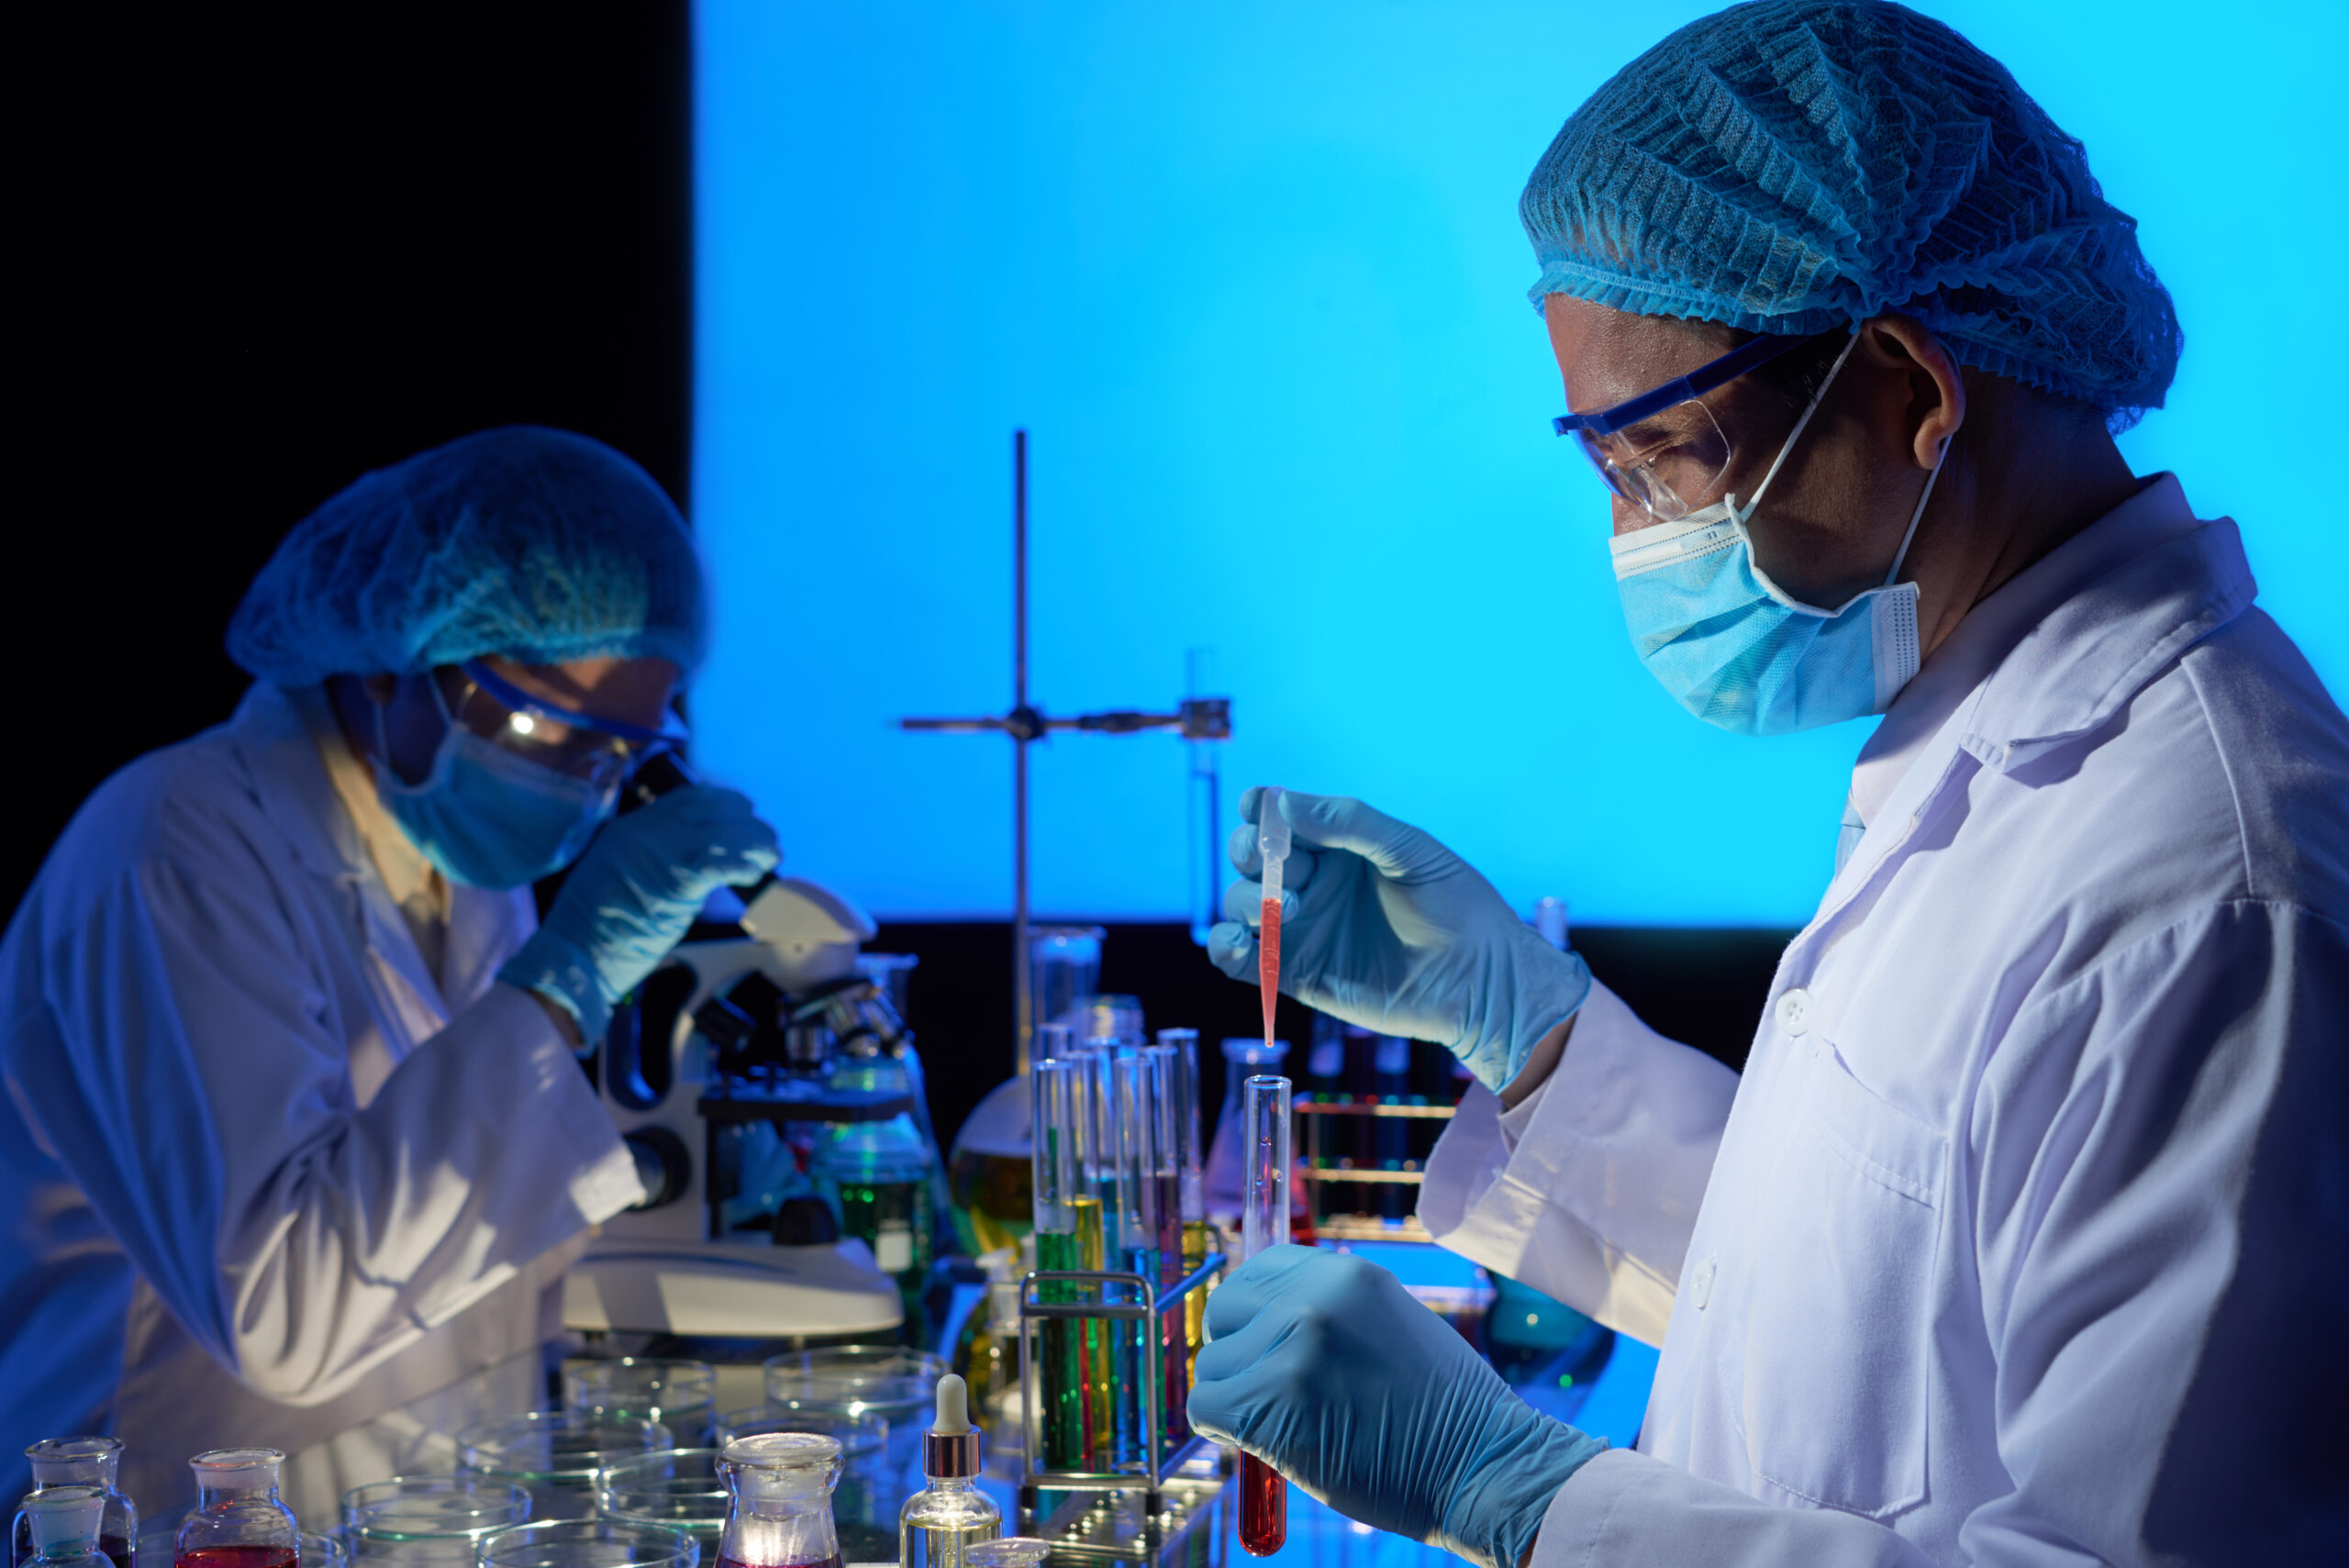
(534,544)
(1794,165)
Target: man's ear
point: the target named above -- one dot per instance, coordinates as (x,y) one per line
(1937,389)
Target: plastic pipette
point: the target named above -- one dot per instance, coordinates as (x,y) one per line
(1271,843)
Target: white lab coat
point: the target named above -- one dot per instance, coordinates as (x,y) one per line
(263,1176)
(2024,1237)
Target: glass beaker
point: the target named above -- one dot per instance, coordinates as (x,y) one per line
(238,1521)
(554,1455)
(322,1552)
(672,1488)
(1242,1055)
(779,1513)
(83,1461)
(876,1174)
(864,1504)
(63,1522)
(422,1519)
(588,1543)
(681,1395)
(1063,971)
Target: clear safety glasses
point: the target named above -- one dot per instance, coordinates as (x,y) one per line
(601,751)
(1663,450)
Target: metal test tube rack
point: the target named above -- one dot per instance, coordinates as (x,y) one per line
(1320,1178)
(1150,1305)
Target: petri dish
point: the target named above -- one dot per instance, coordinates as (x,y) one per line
(1007,1552)
(589,1543)
(671,1488)
(429,1518)
(681,1395)
(555,1456)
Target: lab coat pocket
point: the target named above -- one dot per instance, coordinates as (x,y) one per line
(1837,1297)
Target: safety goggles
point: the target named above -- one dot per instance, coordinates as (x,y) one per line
(602,751)
(1663,450)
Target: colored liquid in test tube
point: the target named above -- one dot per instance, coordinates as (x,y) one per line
(1272,844)
(1264,1222)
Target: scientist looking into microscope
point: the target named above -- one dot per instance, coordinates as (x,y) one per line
(296,1134)
(2024,1236)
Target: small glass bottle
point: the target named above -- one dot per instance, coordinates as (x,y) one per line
(950,1513)
(238,1521)
(63,1522)
(779,1501)
(82,1462)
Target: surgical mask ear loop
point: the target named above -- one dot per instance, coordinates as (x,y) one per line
(1794,435)
(1914,517)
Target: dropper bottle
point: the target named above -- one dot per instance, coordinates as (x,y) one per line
(950,1513)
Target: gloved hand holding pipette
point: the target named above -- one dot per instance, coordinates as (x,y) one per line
(1382,927)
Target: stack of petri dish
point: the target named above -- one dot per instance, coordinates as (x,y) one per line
(556,1456)
(428,1521)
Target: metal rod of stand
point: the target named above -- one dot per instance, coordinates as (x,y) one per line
(1023,997)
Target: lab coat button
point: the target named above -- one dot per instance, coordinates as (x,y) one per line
(1701,1288)
(1793,1011)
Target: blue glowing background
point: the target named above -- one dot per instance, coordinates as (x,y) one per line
(1252,274)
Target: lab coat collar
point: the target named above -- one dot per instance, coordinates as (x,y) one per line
(275,738)
(2090,655)
(2107,611)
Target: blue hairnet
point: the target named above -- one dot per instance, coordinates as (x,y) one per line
(1793,165)
(534,544)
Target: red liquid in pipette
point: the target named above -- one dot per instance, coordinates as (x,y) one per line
(235,1557)
(1264,1508)
(1268,960)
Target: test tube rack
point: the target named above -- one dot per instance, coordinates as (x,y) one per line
(1145,1303)
(1319,1173)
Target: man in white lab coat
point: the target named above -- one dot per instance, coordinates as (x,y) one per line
(295,1137)
(2024,1236)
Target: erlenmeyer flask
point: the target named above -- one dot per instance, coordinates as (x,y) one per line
(779,1501)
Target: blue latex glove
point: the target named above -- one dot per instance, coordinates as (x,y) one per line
(1382,927)
(1323,1365)
(632,895)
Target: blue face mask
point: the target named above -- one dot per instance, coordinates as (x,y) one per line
(485,817)
(1734,649)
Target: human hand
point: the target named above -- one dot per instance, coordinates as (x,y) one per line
(1323,1365)
(633,894)
(1382,927)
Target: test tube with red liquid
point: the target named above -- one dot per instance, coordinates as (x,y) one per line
(1264,1222)
(1272,845)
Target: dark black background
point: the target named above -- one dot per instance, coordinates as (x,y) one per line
(266,250)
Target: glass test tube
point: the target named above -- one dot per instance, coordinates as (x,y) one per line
(1190,1164)
(1144,1192)
(1068,1237)
(1165,1108)
(1263,1218)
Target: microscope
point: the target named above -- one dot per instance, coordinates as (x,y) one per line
(766,1083)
